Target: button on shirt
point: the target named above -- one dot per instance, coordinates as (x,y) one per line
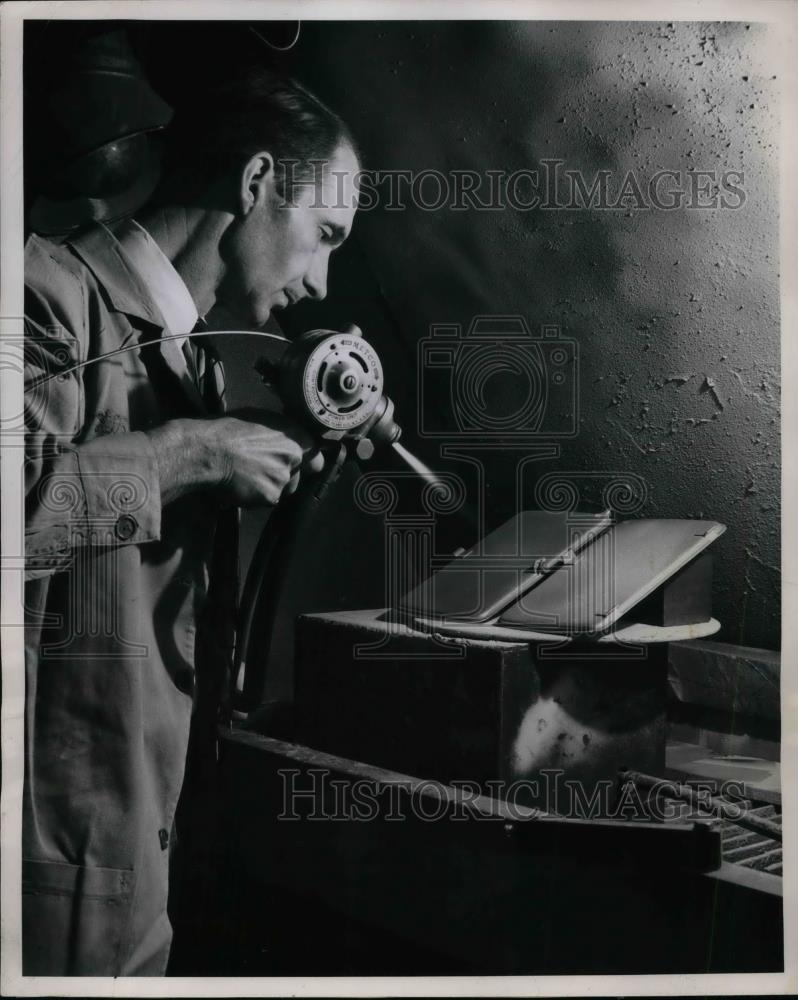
(117,584)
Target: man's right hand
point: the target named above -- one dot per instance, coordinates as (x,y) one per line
(249,462)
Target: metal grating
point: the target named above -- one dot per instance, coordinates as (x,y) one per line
(753,850)
(752,840)
(740,846)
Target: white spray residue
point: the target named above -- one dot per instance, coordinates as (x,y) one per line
(416,464)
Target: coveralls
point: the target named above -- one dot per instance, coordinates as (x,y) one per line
(117,587)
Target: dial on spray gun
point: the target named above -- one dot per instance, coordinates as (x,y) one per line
(333,382)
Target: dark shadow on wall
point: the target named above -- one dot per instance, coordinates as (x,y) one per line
(673,313)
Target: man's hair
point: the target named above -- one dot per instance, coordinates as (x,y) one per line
(254,111)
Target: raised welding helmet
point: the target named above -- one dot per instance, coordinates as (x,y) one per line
(91,123)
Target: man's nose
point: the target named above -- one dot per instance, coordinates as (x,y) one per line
(316,279)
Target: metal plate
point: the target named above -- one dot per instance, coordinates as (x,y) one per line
(479,584)
(612,575)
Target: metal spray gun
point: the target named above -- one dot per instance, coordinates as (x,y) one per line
(332,383)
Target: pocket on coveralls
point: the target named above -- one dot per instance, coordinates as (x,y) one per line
(73,918)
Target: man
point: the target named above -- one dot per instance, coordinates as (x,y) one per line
(129,462)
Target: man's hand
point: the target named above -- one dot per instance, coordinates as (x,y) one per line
(250,460)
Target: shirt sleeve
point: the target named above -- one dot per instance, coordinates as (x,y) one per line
(103,492)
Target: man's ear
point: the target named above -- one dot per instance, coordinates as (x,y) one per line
(257,181)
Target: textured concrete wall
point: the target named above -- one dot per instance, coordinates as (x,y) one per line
(676,313)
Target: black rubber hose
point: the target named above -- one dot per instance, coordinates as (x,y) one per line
(268,568)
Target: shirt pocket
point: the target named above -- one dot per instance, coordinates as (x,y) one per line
(74,918)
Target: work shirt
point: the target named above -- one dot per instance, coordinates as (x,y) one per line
(117,587)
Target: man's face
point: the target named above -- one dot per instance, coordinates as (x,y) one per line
(278,251)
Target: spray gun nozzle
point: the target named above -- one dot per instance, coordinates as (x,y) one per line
(381,428)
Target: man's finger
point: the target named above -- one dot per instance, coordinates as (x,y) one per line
(292,484)
(314,461)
